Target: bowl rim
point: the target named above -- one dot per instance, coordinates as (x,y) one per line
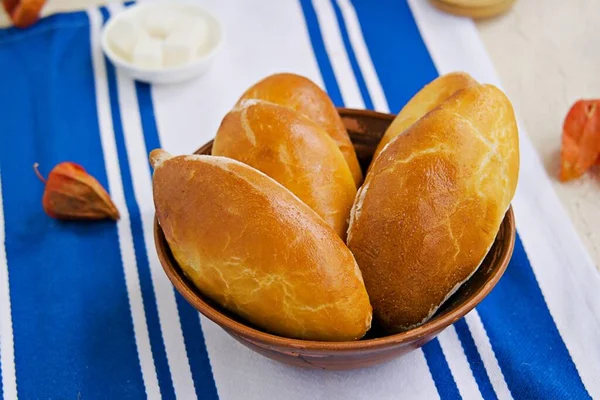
(139,7)
(431,327)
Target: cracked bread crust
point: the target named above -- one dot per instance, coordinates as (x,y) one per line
(304,96)
(253,247)
(432,204)
(431,96)
(294,151)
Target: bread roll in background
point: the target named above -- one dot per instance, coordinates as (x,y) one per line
(293,150)
(428,98)
(306,97)
(432,204)
(251,246)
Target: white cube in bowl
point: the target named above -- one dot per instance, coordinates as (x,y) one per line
(124,37)
(148,53)
(159,22)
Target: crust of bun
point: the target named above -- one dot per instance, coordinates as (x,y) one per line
(428,98)
(251,246)
(294,151)
(304,96)
(432,204)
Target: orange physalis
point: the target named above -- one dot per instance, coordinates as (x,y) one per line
(23,12)
(581,139)
(71,193)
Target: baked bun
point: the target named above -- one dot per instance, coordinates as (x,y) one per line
(251,246)
(294,151)
(307,98)
(428,98)
(432,204)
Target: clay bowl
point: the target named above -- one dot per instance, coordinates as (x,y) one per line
(366,129)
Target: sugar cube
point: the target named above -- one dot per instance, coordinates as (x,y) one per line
(179,48)
(148,52)
(194,26)
(123,36)
(159,22)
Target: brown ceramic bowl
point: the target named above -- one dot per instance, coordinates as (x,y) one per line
(366,129)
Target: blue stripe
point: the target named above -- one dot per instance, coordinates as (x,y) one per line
(193,336)
(399,55)
(440,371)
(528,346)
(312,24)
(472,354)
(190,320)
(146,105)
(360,80)
(141,255)
(73,332)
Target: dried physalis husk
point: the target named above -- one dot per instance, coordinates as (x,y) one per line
(581,139)
(72,193)
(23,13)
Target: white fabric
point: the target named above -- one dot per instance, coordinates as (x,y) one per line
(189,114)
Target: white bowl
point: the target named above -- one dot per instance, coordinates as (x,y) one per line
(180,73)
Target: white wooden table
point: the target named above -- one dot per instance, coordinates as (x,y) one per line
(547,55)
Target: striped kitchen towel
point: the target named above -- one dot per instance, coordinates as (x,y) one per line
(86,311)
